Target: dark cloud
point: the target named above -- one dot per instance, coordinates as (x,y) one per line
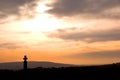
(9,45)
(23,32)
(87,36)
(86,8)
(12,7)
(98,55)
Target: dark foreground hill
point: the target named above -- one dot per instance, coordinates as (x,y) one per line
(104,72)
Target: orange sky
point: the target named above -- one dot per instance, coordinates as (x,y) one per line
(64,31)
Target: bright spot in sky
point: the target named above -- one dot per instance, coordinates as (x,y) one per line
(43,21)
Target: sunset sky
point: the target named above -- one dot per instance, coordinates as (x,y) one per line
(63,31)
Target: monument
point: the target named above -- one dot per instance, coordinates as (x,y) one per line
(25,63)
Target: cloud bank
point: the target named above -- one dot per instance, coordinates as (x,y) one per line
(98,55)
(9,45)
(17,8)
(86,8)
(77,34)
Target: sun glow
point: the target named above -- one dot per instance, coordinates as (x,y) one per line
(43,21)
(33,28)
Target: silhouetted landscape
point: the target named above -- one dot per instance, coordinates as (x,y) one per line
(32,64)
(100,72)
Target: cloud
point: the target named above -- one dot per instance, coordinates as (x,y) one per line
(23,32)
(86,8)
(9,45)
(98,55)
(17,7)
(87,35)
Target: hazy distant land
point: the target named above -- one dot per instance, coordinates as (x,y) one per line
(32,64)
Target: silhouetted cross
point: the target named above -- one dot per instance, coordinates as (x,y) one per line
(25,63)
(25,58)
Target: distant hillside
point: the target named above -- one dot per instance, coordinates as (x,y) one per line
(19,65)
